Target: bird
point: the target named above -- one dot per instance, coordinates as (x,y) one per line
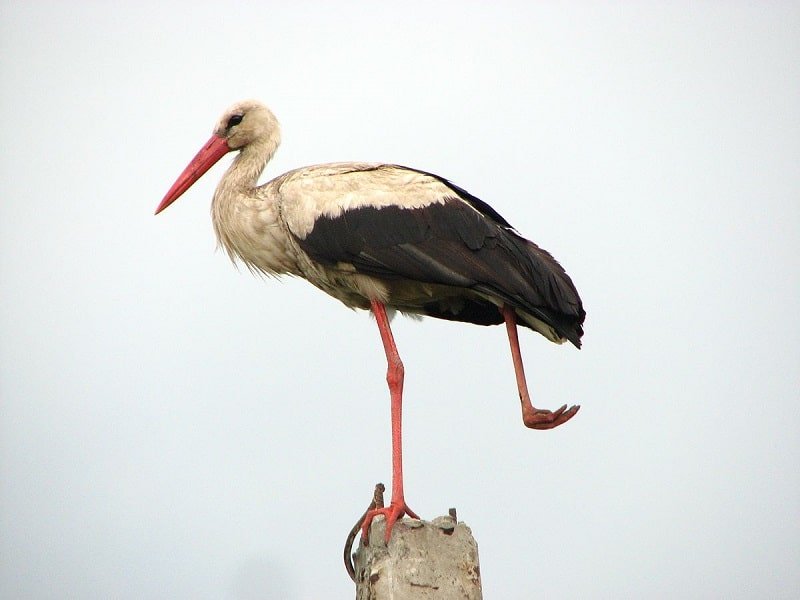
(385,238)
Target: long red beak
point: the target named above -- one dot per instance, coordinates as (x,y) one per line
(214,149)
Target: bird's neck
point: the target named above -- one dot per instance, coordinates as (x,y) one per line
(244,215)
(242,176)
(237,189)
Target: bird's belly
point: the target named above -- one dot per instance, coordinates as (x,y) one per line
(356,290)
(343,283)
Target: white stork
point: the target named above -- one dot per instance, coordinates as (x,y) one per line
(378,236)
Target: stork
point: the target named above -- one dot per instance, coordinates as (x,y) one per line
(385,238)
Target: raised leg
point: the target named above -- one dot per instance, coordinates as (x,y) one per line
(394,377)
(535,418)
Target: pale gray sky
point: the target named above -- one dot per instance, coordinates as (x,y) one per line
(171,427)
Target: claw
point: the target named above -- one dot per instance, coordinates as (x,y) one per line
(392,513)
(546,419)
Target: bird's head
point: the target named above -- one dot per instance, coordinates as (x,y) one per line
(246,124)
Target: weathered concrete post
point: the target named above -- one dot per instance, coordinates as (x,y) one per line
(424,560)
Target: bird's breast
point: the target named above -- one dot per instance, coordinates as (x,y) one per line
(252,231)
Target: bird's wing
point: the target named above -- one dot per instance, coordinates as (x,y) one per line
(440,235)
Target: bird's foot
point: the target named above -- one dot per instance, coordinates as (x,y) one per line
(393,512)
(540,418)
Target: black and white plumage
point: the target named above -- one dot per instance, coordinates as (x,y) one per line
(380,236)
(453,258)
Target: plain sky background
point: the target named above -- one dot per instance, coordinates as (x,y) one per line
(172,427)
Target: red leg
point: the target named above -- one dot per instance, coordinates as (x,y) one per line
(394,377)
(535,418)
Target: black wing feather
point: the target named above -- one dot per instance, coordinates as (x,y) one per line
(452,244)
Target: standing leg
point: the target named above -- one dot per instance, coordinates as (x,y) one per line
(394,377)
(535,418)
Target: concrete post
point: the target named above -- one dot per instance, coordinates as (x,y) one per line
(424,560)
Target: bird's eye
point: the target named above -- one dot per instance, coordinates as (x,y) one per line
(234,120)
